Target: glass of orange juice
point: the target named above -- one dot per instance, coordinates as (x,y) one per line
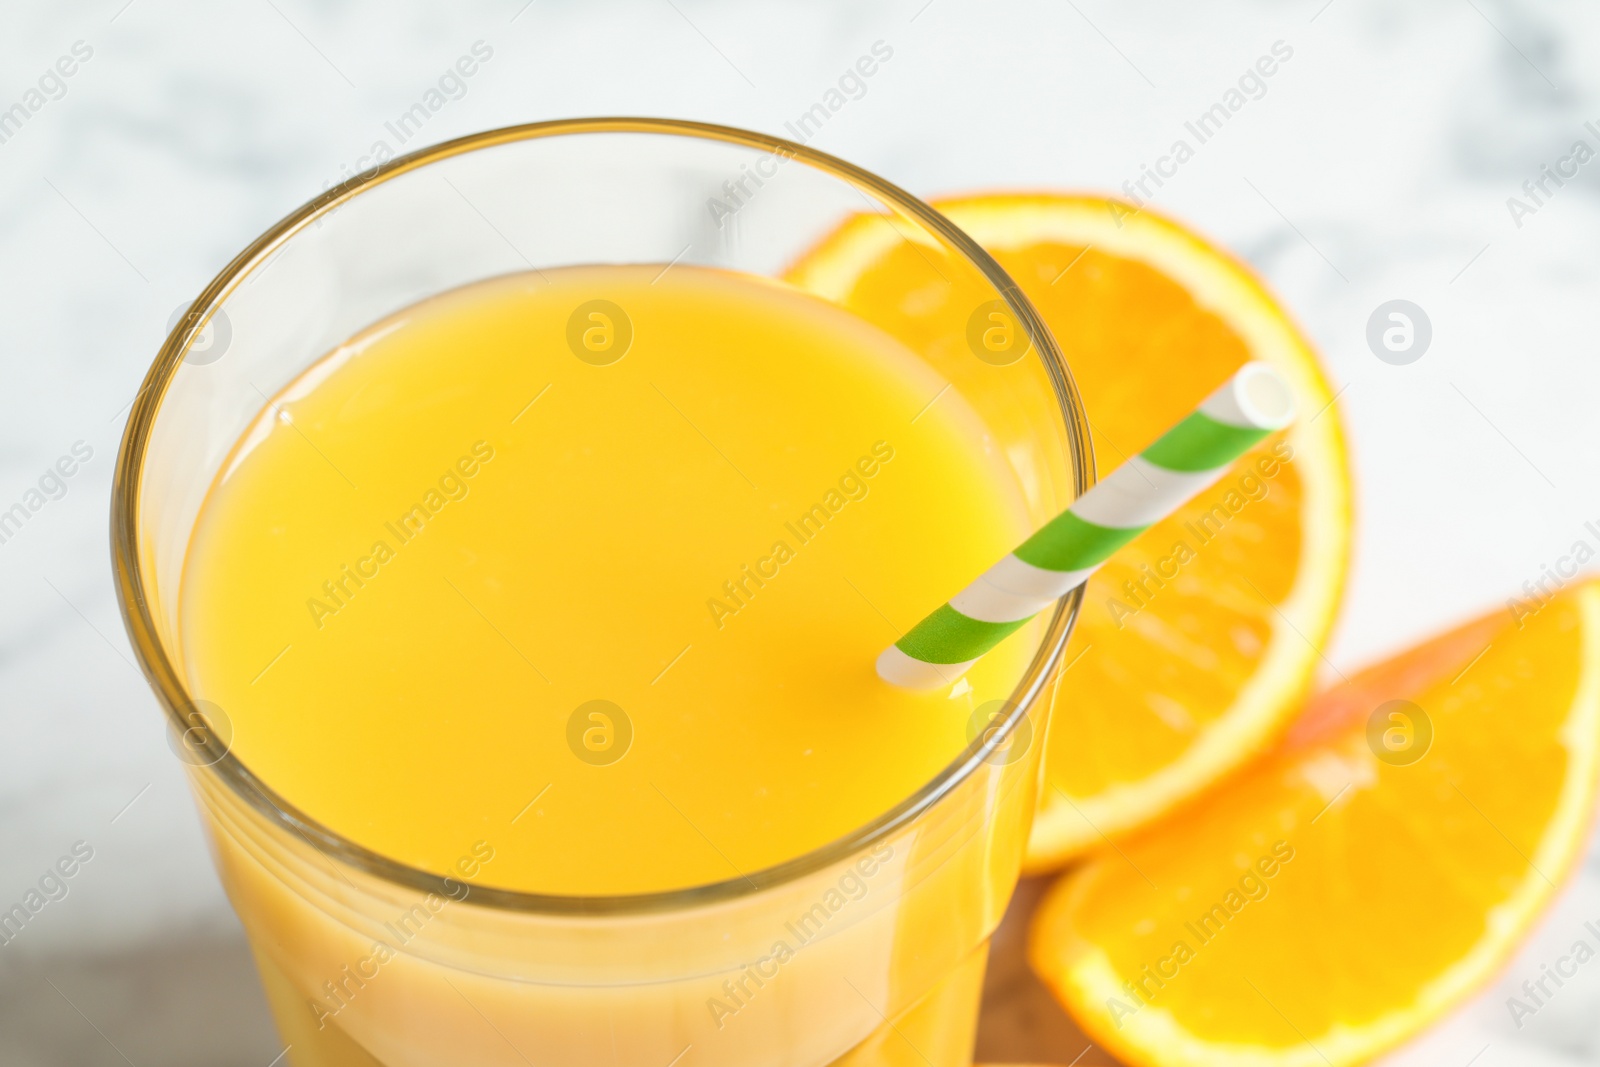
(510,533)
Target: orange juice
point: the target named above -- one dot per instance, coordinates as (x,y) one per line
(571,583)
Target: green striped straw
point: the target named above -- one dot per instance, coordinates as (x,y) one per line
(1061,556)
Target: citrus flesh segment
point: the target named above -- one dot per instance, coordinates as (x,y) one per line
(1198,640)
(1370,872)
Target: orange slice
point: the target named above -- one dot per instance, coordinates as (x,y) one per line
(1197,641)
(1367,875)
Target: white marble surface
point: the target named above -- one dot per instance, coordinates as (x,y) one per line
(1377,165)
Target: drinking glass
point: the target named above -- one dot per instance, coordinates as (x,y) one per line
(368,961)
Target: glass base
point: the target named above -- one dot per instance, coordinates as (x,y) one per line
(937,1031)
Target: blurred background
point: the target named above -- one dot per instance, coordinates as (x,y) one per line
(1377,165)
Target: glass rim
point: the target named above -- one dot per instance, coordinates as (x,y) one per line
(176,700)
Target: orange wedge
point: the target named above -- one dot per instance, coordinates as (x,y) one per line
(1198,641)
(1367,875)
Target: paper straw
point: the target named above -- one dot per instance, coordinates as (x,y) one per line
(1061,556)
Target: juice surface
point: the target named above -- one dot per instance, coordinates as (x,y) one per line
(440,545)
